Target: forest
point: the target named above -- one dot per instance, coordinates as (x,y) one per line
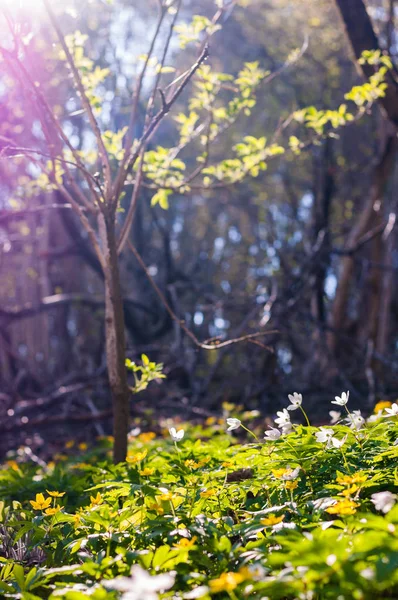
(199,299)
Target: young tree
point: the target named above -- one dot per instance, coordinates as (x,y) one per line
(94,181)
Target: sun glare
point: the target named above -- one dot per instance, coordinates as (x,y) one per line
(21,7)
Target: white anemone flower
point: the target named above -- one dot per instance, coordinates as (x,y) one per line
(384,501)
(283,418)
(292,474)
(392,411)
(341,400)
(376,417)
(325,436)
(296,400)
(287,428)
(273,434)
(233,424)
(355,420)
(334,416)
(176,436)
(283,525)
(323,503)
(141,585)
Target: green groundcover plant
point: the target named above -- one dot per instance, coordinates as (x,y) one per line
(220,510)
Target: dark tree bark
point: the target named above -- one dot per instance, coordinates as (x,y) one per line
(360,32)
(361,35)
(115,337)
(368,220)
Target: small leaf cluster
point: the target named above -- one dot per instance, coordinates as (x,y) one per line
(145,373)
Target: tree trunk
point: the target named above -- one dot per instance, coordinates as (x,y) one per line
(324,191)
(386,294)
(115,339)
(362,37)
(368,220)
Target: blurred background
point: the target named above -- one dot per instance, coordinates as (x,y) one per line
(297,251)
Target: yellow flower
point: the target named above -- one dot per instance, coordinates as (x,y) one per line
(291,485)
(272,520)
(350,490)
(157,508)
(344,507)
(249,573)
(95,500)
(135,458)
(12,464)
(40,503)
(208,493)
(227,582)
(147,436)
(191,464)
(167,496)
(56,494)
(77,521)
(210,421)
(52,511)
(185,544)
(147,471)
(350,479)
(227,464)
(69,444)
(83,446)
(278,473)
(381,406)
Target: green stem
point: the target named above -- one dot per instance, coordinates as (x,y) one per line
(345,459)
(251,433)
(305,415)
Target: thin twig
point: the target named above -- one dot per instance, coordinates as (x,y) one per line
(216,345)
(122,171)
(85,101)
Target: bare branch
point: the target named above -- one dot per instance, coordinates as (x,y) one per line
(121,174)
(85,102)
(216,345)
(124,234)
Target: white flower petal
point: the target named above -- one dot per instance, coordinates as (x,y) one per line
(283,417)
(334,416)
(384,501)
(341,400)
(176,436)
(233,424)
(296,400)
(392,411)
(272,434)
